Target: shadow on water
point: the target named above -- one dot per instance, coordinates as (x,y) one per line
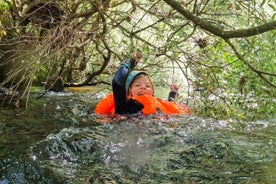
(59,139)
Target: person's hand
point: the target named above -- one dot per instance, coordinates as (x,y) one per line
(174,87)
(137,56)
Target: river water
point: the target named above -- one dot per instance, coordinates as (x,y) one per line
(58,139)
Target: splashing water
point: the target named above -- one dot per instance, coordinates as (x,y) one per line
(71,145)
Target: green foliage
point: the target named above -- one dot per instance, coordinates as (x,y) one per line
(2,31)
(222,76)
(3,6)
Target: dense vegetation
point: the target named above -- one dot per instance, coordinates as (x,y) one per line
(221,51)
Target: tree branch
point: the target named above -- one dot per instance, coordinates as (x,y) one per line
(260,73)
(208,26)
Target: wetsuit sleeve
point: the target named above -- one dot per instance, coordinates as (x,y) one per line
(119,88)
(172,96)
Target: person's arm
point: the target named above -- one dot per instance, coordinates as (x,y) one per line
(173,93)
(118,86)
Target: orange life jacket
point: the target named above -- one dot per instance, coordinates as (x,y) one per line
(151,105)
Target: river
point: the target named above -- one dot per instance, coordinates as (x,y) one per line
(58,139)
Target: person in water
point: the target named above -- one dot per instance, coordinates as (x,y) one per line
(133,92)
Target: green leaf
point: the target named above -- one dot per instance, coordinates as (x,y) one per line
(263,2)
(272,6)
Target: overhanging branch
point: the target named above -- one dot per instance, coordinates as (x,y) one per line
(208,26)
(261,74)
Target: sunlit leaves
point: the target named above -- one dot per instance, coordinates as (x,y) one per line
(2,31)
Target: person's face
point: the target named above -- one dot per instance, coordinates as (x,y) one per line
(142,85)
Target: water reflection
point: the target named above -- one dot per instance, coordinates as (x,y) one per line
(71,145)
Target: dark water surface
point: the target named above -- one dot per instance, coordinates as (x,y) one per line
(59,139)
